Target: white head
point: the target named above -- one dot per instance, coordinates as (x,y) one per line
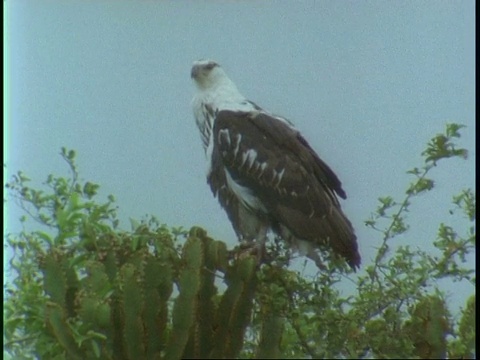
(208,75)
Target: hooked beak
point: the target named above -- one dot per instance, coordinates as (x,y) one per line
(194,72)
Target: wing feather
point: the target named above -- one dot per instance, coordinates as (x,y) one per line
(297,189)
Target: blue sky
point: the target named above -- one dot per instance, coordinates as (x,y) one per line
(367,83)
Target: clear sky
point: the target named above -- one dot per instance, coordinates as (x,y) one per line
(367,83)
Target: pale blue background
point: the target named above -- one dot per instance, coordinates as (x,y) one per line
(368,84)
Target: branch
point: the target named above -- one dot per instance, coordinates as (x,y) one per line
(301,337)
(387,236)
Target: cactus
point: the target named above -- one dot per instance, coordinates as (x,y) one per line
(270,337)
(234,309)
(56,321)
(186,302)
(132,307)
(201,338)
(118,308)
(54,277)
(157,276)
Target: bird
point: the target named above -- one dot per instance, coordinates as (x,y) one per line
(265,174)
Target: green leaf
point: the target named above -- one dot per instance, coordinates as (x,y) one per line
(452,130)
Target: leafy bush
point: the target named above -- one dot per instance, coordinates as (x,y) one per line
(84,289)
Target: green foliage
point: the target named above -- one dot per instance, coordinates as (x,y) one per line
(464,345)
(84,289)
(428,327)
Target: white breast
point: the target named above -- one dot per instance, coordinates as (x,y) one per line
(220,98)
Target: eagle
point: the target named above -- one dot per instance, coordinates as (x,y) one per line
(265,174)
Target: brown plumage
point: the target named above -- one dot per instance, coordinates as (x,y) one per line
(300,205)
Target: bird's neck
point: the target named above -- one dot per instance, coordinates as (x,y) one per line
(224,88)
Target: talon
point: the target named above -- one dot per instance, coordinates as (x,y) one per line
(257,250)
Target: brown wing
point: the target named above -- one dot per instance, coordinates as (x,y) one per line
(279,168)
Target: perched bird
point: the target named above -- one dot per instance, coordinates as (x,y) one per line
(265,174)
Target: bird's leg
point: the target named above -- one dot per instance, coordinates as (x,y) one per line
(251,248)
(313,255)
(248,248)
(243,249)
(259,251)
(253,245)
